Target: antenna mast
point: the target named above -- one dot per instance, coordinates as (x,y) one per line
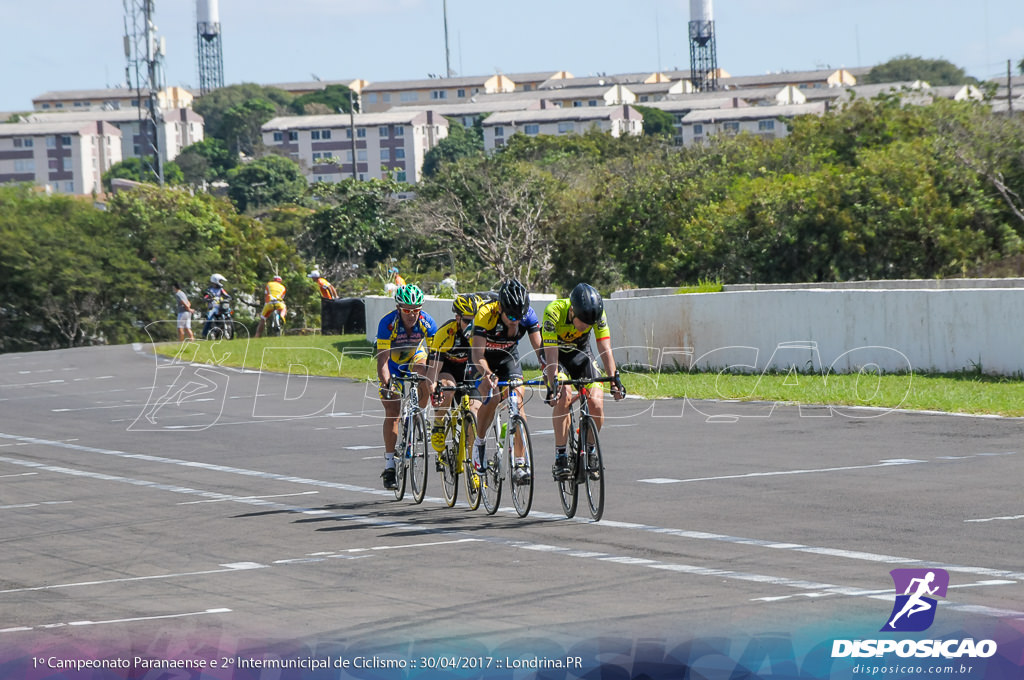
(447,58)
(145,52)
(210,56)
(703,53)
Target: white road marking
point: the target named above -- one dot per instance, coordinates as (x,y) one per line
(997,519)
(221,610)
(245,498)
(20,474)
(33,505)
(228,568)
(884,463)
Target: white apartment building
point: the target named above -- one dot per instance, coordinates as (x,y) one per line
(173,97)
(698,126)
(616,120)
(67,157)
(180,128)
(367,145)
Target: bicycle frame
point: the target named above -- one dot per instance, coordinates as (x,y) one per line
(410,451)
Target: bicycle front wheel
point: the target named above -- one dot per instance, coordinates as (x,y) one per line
(450,459)
(492,477)
(401,461)
(567,487)
(519,442)
(594,467)
(418,459)
(473,480)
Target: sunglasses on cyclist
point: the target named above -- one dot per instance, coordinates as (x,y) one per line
(511,317)
(410,310)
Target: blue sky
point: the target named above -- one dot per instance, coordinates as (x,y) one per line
(77,44)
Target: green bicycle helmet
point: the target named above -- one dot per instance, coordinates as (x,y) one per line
(409,295)
(465,304)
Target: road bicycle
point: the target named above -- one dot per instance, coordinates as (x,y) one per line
(453,460)
(274,324)
(510,447)
(586,464)
(411,451)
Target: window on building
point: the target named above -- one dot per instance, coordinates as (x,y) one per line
(278,136)
(46,106)
(348,156)
(371,98)
(531,129)
(409,96)
(386,98)
(69,187)
(315,134)
(361,154)
(385,154)
(499,131)
(383,131)
(498,143)
(325,134)
(317,155)
(51,142)
(731,126)
(461,92)
(400,176)
(293,136)
(24,165)
(399,131)
(564,127)
(60,105)
(66,164)
(698,129)
(592,102)
(439,94)
(766,125)
(399,154)
(577,104)
(361,133)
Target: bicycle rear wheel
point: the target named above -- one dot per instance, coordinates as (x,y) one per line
(492,478)
(473,480)
(522,494)
(450,459)
(418,459)
(594,473)
(567,487)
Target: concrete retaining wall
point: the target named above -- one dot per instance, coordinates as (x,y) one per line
(811,329)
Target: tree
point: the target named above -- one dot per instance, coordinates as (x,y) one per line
(242,123)
(497,209)
(205,161)
(657,123)
(336,98)
(908,68)
(214,105)
(265,182)
(461,142)
(139,170)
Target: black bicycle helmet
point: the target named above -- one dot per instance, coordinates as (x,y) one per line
(587,305)
(513,298)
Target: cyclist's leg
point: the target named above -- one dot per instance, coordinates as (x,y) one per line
(418,364)
(392,406)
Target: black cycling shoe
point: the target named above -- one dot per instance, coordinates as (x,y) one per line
(560,470)
(390,479)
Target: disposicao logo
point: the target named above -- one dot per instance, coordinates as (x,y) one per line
(914,610)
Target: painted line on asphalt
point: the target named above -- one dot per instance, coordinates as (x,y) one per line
(47,626)
(633,526)
(883,463)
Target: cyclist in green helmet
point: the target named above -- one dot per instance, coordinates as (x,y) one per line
(402,337)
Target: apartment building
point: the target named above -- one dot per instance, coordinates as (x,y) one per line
(180,128)
(469,113)
(367,145)
(384,96)
(615,120)
(110,99)
(67,156)
(697,126)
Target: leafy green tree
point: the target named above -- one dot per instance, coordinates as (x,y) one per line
(907,68)
(205,161)
(214,106)
(138,170)
(461,142)
(265,182)
(657,123)
(336,99)
(242,123)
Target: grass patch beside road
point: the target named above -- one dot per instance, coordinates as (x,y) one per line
(350,356)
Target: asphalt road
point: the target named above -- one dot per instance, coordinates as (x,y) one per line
(171,509)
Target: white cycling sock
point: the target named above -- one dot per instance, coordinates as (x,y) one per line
(389,460)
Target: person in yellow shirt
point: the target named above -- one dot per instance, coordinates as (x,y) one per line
(327,291)
(273,298)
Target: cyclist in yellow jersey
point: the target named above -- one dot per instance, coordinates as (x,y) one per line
(449,360)
(497,328)
(273,298)
(565,333)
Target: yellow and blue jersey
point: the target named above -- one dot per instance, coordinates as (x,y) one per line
(404,344)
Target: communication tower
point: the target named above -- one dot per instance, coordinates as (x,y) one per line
(703,54)
(209,53)
(145,74)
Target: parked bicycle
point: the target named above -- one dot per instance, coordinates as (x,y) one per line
(411,457)
(453,460)
(586,464)
(510,448)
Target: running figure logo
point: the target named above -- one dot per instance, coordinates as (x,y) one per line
(914,611)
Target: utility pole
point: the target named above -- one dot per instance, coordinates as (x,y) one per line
(352,132)
(447,59)
(145,51)
(1009,87)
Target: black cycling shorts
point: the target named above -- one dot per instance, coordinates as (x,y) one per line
(577,364)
